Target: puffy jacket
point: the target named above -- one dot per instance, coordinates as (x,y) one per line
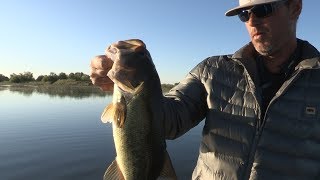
(237,142)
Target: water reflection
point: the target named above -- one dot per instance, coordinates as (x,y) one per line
(63,138)
(58,91)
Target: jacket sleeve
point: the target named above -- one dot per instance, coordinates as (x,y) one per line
(185,105)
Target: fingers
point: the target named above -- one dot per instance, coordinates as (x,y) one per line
(101,62)
(115,50)
(103,82)
(94,73)
(125,61)
(99,67)
(107,87)
(129,44)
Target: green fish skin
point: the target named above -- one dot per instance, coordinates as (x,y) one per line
(138,138)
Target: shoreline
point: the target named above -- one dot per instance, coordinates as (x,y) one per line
(66,84)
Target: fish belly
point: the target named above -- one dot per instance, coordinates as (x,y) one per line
(133,141)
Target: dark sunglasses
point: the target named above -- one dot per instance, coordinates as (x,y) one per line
(260,11)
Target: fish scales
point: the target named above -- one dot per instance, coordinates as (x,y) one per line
(135,161)
(136,116)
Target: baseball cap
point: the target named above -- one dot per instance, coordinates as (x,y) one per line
(244,4)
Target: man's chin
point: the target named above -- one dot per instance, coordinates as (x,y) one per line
(263,48)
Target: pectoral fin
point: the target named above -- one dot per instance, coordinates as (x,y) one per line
(113,172)
(167,172)
(115,113)
(106,114)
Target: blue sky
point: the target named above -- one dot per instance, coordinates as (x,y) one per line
(62,36)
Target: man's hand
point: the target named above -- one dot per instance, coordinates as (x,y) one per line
(126,63)
(100,66)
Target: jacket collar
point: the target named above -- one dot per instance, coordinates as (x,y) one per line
(310,57)
(247,55)
(309,54)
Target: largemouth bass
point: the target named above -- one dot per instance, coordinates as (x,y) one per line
(134,112)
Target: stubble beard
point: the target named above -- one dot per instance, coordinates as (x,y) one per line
(263,48)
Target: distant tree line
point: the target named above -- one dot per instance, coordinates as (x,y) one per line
(3,78)
(51,78)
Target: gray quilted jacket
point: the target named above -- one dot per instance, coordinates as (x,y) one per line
(237,142)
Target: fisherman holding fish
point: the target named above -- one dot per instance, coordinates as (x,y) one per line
(261,105)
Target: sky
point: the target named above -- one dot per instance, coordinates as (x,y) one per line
(64,35)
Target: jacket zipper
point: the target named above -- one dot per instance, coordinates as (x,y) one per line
(260,124)
(282,90)
(257,131)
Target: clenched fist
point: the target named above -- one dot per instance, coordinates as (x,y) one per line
(100,66)
(126,63)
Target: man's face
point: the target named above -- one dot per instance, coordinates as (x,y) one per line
(269,34)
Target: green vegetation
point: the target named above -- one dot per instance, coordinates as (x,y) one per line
(167,87)
(21,78)
(3,78)
(52,80)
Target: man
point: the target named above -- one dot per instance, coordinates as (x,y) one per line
(261,105)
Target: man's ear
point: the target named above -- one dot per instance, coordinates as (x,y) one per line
(295,7)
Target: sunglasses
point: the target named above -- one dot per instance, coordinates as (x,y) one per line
(260,11)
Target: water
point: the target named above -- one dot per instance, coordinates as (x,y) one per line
(59,136)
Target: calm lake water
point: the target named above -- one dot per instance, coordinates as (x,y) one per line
(59,136)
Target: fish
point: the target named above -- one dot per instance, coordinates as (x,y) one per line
(141,154)
(139,140)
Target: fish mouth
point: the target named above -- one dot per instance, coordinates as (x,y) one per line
(132,64)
